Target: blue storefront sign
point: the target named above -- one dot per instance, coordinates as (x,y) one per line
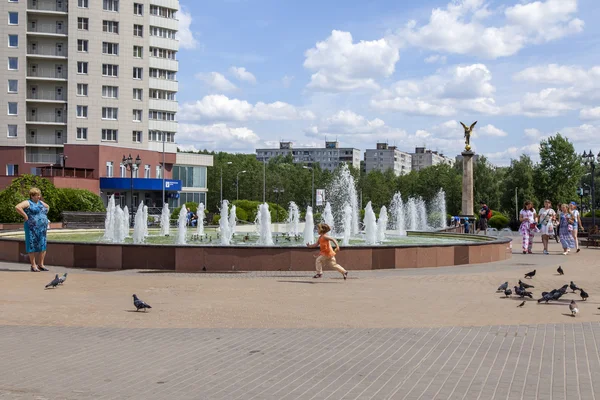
(147,184)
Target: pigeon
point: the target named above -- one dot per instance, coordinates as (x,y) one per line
(560,270)
(522,304)
(54,282)
(503,287)
(530,274)
(563,289)
(204,268)
(545,297)
(522,292)
(525,285)
(557,295)
(507,292)
(139,304)
(573,308)
(584,295)
(573,287)
(62,279)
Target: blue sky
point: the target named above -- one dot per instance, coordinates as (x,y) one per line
(253,72)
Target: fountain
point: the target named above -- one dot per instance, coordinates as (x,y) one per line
(370,225)
(397,209)
(382,224)
(182,226)
(340,192)
(347,224)
(328,217)
(165,218)
(139,225)
(146,233)
(109,221)
(224,228)
(126,221)
(422,224)
(200,214)
(293,220)
(120,228)
(438,211)
(232,221)
(263,224)
(309,227)
(411,214)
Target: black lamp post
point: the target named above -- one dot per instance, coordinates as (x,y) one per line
(590,159)
(131,165)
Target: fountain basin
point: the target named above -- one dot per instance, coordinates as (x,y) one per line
(216,258)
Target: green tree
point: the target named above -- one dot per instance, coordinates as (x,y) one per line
(486,181)
(519,176)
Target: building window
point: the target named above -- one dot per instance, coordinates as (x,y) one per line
(110,5)
(13,18)
(137,72)
(162,94)
(137,115)
(12,169)
(158,172)
(161,115)
(163,12)
(109,135)
(163,32)
(138,94)
(110,27)
(83,4)
(82,111)
(138,30)
(109,169)
(82,67)
(12,108)
(82,133)
(82,89)
(13,63)
(138,51)
(111,49)
(138,9)
(13,40)
(82,45)
(110,113)
(146,171)
(157,136)
(137,137)
(163,53)
(12,131)
(123,171)
(110,70)
(163,74)
(111,92)
(83,24)
(13,86)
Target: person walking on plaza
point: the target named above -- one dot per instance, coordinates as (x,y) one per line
(527,216)
(326,256)
(565,228)
(547,217)
(576,223)
(35,212)
(483,218)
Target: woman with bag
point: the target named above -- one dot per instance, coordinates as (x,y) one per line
(527,216)
(565,229)
(547,217)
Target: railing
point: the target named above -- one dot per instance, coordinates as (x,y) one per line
(46,117)
(46,95)
(42,158)
(47,51)
(47,73)
(45,139)
(48,28)
(47,5)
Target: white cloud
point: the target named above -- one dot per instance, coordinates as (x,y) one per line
(184,34)
(590,113)
(533,133)
(512,153)
(216,137)
(491,130)
(216,81)
(349,123)
(436,58)
(342,65)
(222,108)
(459,29)
(241,74)
(558,74)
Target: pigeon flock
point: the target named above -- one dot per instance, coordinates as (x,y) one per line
(553,295)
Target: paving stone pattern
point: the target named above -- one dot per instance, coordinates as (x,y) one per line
(554,361)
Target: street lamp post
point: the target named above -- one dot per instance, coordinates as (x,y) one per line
(237,184)
(131,164)
(312,193)
(228,163)
(590,159)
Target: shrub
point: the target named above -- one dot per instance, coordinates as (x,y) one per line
(18,191)
(216,218)
(498,221)
(251,209)
(79,200)
(589,214)
(241,214)
(191,205)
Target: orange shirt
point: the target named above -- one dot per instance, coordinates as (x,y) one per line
(325,247)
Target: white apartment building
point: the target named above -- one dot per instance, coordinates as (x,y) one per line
(328,157)
(423,158)
(386,157)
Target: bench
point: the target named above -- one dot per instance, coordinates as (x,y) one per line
(78,220)
(593,239)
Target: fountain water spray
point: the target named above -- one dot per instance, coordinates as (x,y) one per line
(411,213)
(328,217)
(232,221)
(438,211)
(109,221)
(126,221)
(182,225)
(370,225)
(309,226)
(347,224)
(146,233)
(382,224)
(224,227)
(165,218)
(293,220)
(341,191)
(138,225)
(200,213)
(263,224)
(120,228)
(421,215)
(398,214)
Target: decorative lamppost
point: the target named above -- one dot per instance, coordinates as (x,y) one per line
(130,164)
(228,163)
(312,193)
(590,160)
(237,184)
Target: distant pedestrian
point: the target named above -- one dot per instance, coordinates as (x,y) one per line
(326,256)
(484,212)
(35,212)
(576,223)
(527,217)
(547,217)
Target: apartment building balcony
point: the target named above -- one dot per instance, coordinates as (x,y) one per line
(58,95)
(45,158)
(163,105)
(163,63)
(58,73)
(58,29)
(163,84)
(164,43)
(169,23)
(59,50)
(48,6)
(46,140)
(59,117)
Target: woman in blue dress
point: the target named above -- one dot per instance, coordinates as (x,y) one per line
(565,228)
(35,212)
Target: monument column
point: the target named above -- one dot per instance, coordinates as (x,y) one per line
(467,184)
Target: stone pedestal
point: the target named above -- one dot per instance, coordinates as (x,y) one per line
(467,184)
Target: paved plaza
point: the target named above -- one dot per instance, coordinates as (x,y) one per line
(436,333)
